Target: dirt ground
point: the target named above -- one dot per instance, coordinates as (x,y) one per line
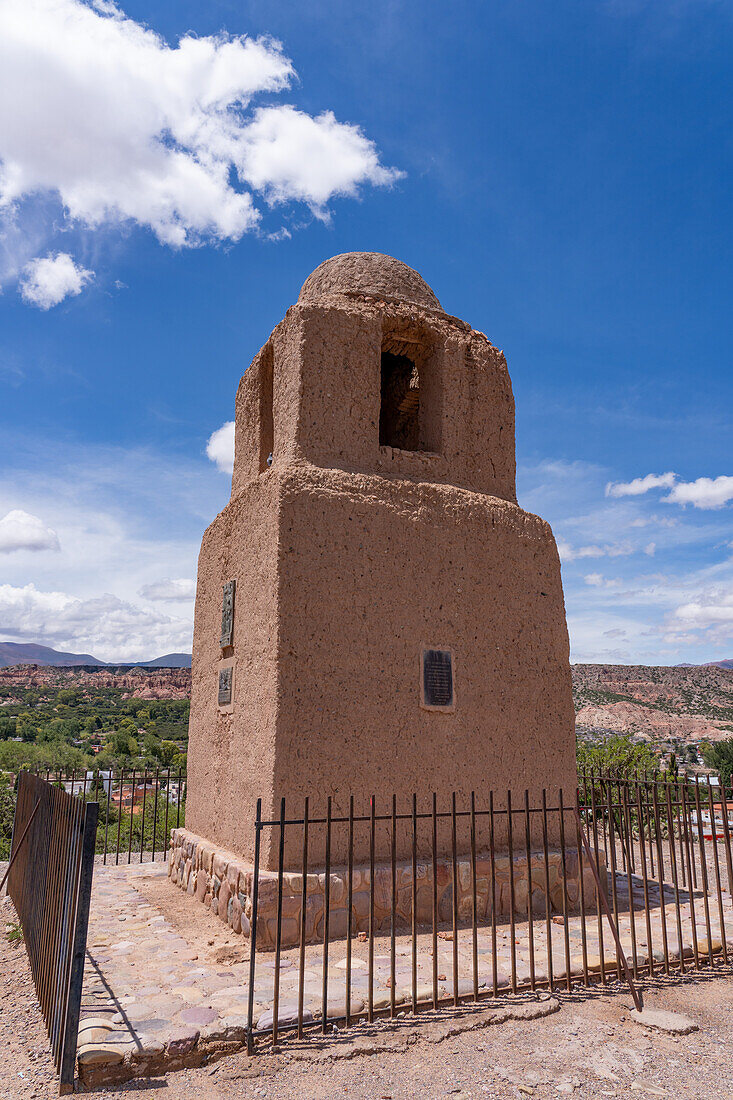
(589,1048)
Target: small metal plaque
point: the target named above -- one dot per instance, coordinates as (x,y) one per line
(225,687)
(227,614)
(437,678)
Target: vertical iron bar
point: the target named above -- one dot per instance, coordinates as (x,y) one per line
(660,868)
(303,920)
(718,884)
(690,877)
(645,882)
(675,879)
(167,807)
(142,823)
(629,869)
(581,896)
(393,910)
(435,901)
(566,930)
(349,907)
(474,905)
(548,901)
(326,920)
(119,817)
(530,915)
(413,927)
(596,852)
(132,810)
(492,859)
(279,923)
(155,809)
(253,933)
(512,921)
(704,872)
(681,830)
(726,832)
(372,812)
(612,854)
(454,862)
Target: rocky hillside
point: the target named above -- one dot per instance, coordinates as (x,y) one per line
(138,683)
(680,704)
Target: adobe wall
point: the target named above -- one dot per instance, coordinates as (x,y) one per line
(231,751)
(387,568)
(326,396)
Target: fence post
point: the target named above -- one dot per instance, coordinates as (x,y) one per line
(253,933)
(81,925)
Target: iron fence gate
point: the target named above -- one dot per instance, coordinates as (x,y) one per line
(50,883)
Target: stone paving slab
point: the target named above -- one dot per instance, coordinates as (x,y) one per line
(150,1004)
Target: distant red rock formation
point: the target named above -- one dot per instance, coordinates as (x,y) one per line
(138,683)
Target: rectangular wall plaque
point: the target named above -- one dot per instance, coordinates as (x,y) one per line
(225,686)
(437,677)
(227,614)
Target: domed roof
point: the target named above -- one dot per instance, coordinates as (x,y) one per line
(370,273)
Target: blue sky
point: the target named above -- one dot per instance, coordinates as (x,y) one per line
(559,173)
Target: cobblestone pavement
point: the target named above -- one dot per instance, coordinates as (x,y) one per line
(154,1000)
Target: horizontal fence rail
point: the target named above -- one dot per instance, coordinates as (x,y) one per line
(625,878)
(50,882)
(137,809)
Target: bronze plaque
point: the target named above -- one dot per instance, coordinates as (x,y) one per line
(227,614)
(437,675)
(225,686)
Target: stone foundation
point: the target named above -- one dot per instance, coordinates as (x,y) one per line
(223,882)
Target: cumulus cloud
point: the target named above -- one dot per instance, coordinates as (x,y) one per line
(706,492)
(640,485)
(568,553)
(709,609)
(105,625)
(20,530)
(220,447)
(597,580)
(101,114)
(48,280)
(180,588)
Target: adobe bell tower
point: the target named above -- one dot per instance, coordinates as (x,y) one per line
(374,611)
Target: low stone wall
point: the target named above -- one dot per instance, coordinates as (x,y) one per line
(223,882)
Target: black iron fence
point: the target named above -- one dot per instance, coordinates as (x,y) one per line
(627,878)
(50,881)
(137,809)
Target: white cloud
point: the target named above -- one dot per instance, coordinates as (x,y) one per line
(568,553)
(180,588)
(650,549)
(48,280)
(640,485)
(104,626)
(597,580)
(220,447)
(98,112)
(706,492)
(709,609)
(20,530)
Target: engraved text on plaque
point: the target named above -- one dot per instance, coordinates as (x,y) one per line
(437,672)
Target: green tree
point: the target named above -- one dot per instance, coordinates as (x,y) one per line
(617,753)
(719,758)
(7,809)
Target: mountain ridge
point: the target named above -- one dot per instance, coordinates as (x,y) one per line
(29,653)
